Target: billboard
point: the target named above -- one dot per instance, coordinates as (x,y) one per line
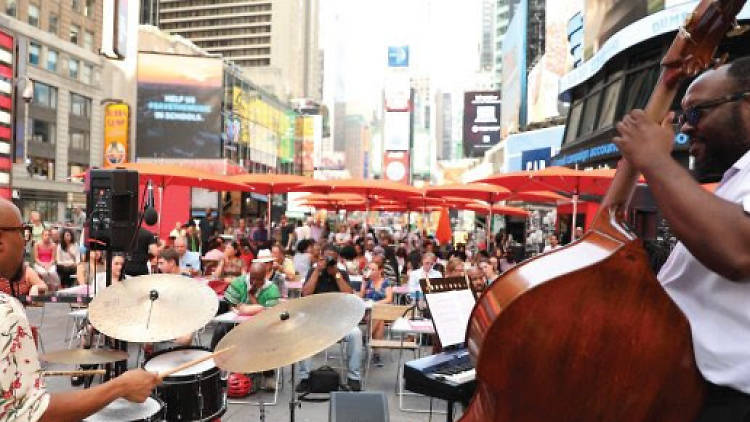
(396,131)
(179,106)
(116,130)
(536,159)
(481,121)
(397,92)
(544,77)
(396,166)
(514,73)
(526,147)
(7,115)
(398,56)
(603,18)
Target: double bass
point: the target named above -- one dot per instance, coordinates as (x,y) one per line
(586,332)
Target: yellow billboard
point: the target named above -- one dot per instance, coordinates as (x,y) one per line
(116,131)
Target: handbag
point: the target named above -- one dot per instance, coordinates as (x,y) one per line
(324,380)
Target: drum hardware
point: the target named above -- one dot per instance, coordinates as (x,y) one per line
(192,390)
(81,373)
(84,356)
(121,410)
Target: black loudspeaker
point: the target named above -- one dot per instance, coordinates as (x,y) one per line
(362,406)
(112,209)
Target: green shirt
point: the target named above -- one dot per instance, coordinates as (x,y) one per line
(237,293)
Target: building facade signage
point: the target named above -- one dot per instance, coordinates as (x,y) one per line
(116,130)
(646,28)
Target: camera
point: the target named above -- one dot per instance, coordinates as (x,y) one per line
(330,261)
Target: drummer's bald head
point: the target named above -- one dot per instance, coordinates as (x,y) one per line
(11,241)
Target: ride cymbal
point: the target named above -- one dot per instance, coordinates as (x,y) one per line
(84,356)
(289,332)
(153,308)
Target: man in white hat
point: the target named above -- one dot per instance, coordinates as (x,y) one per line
(266,257)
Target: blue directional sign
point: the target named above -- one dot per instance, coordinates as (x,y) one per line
(398,56)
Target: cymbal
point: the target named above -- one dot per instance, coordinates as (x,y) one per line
(268,340)
(84,356)
(153,308)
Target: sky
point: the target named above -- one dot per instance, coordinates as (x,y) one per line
(443,36)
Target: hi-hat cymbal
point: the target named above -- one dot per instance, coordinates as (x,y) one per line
(84,356)
(153,308)
(289,332)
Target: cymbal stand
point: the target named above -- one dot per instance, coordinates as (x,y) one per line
(293,402)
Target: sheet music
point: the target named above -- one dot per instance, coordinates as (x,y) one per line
(450,312)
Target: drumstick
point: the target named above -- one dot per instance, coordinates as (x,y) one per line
(81,373)
(185,365)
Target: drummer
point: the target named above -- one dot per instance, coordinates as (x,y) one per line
(21,386)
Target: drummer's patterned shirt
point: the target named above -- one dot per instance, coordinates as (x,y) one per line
(24,398)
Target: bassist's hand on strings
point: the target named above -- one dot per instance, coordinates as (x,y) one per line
(643,142)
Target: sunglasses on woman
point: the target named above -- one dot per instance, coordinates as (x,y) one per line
(692,115)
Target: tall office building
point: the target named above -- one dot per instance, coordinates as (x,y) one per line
(504,12)
(487,43)
(444,125)
(59,132)
(502,19)
(274,41)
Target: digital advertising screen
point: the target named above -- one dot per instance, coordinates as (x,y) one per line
(179,106)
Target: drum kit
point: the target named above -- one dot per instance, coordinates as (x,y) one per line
(162,307)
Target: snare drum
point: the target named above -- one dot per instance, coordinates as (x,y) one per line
(193,394)
(122,410)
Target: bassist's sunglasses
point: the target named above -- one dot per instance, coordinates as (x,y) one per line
(692,115)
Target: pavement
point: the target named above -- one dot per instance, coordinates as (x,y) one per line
(55,329)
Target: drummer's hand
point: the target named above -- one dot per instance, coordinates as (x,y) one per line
(136,385)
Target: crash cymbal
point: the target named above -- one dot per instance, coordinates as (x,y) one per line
(153,308)
(289,332)
(84,356)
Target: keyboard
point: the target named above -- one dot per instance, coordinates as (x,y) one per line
(448,375)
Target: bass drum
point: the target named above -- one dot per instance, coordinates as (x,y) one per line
(122,410)
(193,394)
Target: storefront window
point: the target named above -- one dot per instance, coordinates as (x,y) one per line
(42,131)
(79,139)
(33,15)
(10,7)
(76,169)
(609,104)
(73,68)
(52,60)
(41,168)
(640,84)
(47,209)
(573,119)
(35,51)
(80,106)
(45,95)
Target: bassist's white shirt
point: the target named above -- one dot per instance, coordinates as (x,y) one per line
(718,309)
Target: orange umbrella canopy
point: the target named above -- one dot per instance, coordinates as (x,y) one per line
(270,183)
(171,175)
(536,196)
(562,179)
(496,209)
(368,188)
(481,191)
(333,197)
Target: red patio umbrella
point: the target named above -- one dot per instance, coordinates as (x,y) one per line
(558,179)
(270,184)
(481,191)
(372,190)
(163,175)
(496,209)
